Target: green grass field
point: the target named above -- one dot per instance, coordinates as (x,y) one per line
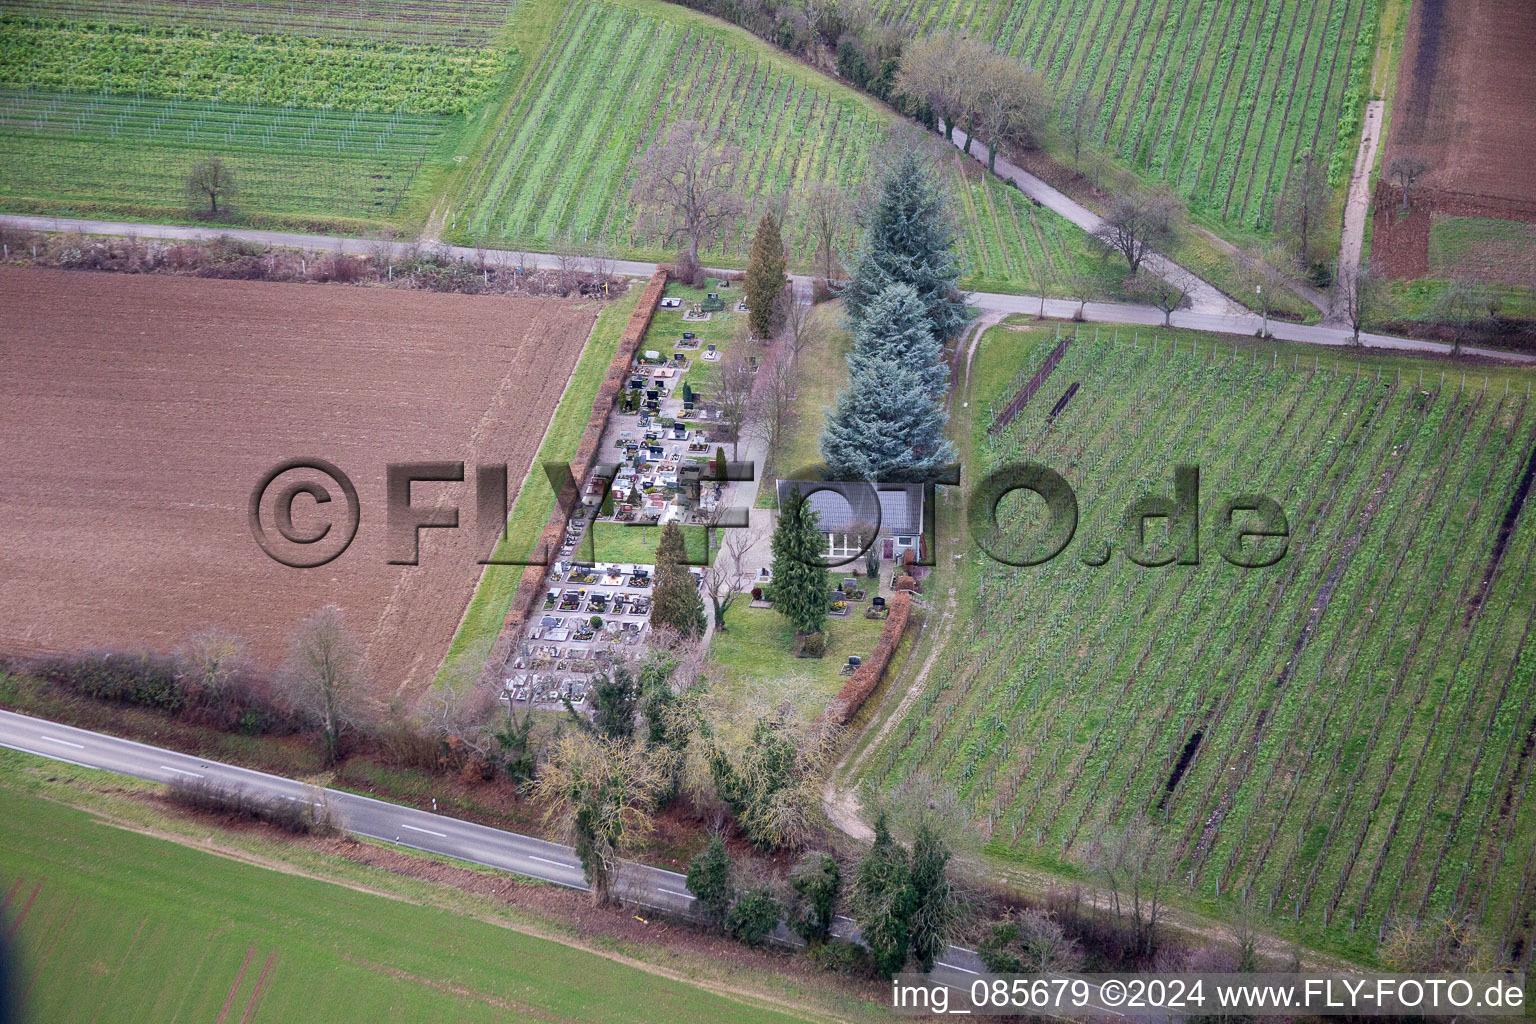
(422,22)
(1484,249)
(1329,742)
(114,925)
(1216,99)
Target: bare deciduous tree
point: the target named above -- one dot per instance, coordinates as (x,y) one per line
(728,576)
(802,325)
(459,708)
(931,73)
(1406,170)
(1138,225)
(324,677)
(212,181)
(686,176)
(1462,304)
(210,661)
(828,210)
(774,398)
(1134,863)
(1082,285)
(1265,271)
(1010,104)
(734,387)
(1081,115)
(1357,293)
(1166,293)
(1304,204)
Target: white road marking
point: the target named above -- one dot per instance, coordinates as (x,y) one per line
(545,860)
(183,771)
(669,892)
(52,757)
(413,828)
(954,967)
(55,739)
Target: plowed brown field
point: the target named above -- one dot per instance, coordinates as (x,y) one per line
(1466,106)
(139,413)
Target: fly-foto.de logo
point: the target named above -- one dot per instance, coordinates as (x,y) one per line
(1248,530)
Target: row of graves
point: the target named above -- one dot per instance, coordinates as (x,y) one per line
(592,617)
(658,470)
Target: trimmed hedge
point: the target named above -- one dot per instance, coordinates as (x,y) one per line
(867,676)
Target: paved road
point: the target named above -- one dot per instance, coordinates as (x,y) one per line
(393,823)
(1244,323)
(1204,297)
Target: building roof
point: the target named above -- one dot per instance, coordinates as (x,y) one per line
(840,506)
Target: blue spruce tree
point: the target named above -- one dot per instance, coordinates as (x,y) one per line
(910,240)
(895,328)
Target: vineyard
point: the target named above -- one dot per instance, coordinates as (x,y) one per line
(322,132)
(422,22)
(235,68)
(1216,99)
(1341,739)
(94,151)
(557,171)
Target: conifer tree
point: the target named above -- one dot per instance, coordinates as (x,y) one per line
(895,328)
(799,589)
(881,900)
(765,276)
(886,427)
(934,908)
(709,880)
(910,240)
(675,600)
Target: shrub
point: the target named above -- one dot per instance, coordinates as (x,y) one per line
(754,917)
(146,680)
(301,817)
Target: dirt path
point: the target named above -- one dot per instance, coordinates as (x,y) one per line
(1357,204)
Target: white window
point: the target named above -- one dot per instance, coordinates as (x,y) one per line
(843,545)
(905,542)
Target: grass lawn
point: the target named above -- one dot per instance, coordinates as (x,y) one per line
(621,542)
(535,500)
(116,925)
(823,372)
(668,325)
(753,655)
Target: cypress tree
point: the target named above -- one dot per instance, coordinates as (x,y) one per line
(709,880)
(675,600)
(765,276)
(886,427)
(910,240)
(933,897)
(799,588)
(881,900)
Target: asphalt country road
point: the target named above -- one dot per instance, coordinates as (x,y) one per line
(1244,324)
(638,884)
